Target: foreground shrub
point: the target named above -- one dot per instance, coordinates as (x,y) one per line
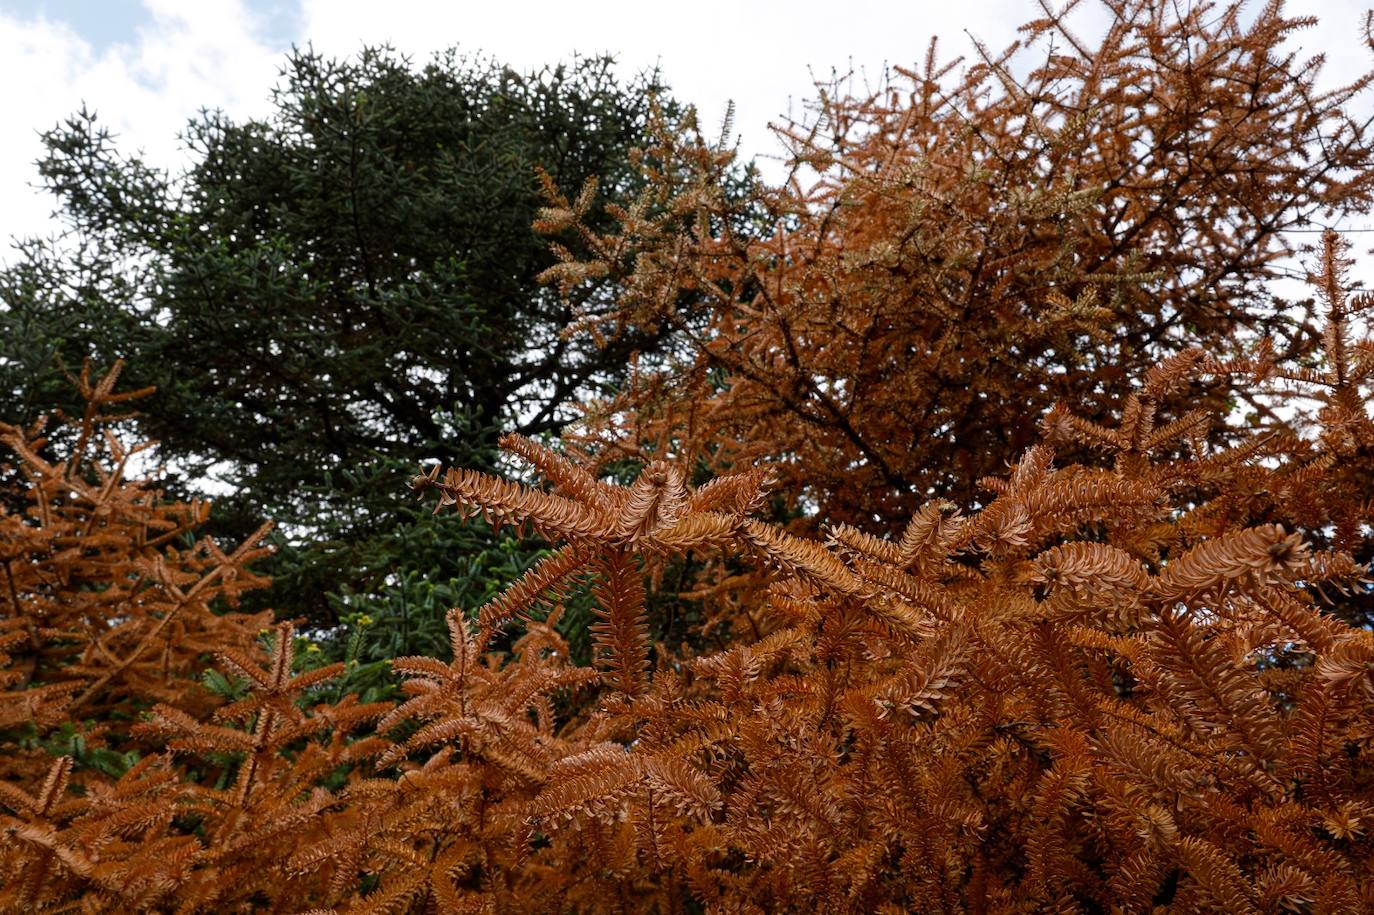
(1098,691)
(112,604)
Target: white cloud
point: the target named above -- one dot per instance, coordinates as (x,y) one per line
(188,56)
(758,53)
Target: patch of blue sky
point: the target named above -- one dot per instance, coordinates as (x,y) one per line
(277,24)
(101,23)
(105,23)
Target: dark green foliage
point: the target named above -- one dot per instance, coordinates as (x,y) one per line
(349,283)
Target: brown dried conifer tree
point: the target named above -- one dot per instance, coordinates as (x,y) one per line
(959,250)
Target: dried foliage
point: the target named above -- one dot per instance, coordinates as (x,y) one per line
(1096,691)
(1121,677)
(108,596)
(960,249)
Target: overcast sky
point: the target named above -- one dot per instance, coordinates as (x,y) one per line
(146,66)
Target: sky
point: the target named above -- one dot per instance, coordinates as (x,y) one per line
(147,66)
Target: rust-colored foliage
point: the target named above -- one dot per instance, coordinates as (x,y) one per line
(112,614)
(107,596)
(957,251)
(1117,676)
(1096,691)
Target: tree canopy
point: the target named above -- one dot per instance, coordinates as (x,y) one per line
(963,247)
(332,294)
